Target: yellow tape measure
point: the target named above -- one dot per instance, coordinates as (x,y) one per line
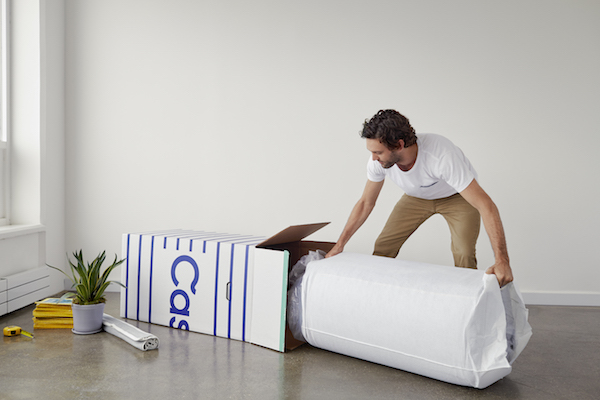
(16,331)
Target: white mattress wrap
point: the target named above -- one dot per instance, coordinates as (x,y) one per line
(442,322)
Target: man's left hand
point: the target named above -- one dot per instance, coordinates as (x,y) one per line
(502,271)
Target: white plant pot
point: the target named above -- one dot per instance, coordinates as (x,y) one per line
(87,319)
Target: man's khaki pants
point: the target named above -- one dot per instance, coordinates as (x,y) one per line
(410,212)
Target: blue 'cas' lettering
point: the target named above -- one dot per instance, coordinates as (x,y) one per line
(182,324)
(185,311)
(190,260)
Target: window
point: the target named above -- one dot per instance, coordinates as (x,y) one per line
(4,115)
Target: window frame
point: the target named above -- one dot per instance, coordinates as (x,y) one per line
(4,113)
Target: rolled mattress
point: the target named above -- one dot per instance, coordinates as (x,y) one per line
(451,324)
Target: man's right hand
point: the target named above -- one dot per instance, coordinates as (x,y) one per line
(334,251)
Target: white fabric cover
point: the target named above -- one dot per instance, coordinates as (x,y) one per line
(442,322)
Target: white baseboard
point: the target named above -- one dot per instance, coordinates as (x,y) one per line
(562,299)
(24,288)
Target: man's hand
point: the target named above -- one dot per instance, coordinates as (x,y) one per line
(502,271)
(337,249)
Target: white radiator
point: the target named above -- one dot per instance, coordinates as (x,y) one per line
(22,289)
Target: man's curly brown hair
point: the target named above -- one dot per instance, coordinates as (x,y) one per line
(389,126)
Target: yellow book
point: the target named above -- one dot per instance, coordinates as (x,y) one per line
(53,313)
(52,302)
(52,323)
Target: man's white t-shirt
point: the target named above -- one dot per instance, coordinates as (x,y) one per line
(441,170)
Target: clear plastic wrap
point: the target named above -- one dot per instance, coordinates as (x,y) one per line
(294,311)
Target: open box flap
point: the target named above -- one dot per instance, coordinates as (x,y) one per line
(292,234)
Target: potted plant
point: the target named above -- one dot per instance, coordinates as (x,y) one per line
(90,284)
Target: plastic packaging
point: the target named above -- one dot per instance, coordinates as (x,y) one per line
(134,336)
(451,324)
(294,313)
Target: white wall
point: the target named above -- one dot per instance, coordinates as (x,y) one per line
(52,144)
(243,117)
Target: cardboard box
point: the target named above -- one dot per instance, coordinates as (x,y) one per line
(232,286)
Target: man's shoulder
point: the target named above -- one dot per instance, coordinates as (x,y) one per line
(432,138)
(434,142)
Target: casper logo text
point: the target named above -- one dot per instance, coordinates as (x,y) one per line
(185,311)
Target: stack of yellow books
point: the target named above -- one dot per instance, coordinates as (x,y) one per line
(53,313)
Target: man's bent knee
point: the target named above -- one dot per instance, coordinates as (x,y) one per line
(386,248)
(465,260)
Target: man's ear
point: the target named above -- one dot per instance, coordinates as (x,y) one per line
(400,145)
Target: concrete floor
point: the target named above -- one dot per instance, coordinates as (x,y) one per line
(562,361)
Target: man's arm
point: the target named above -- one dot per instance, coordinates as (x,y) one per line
(479,199)
(358,216)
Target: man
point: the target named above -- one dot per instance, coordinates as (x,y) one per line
(437,178)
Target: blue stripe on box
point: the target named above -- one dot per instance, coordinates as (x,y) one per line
(230,291)
(137,312)
(127,277)
(150,285)
(245,292)
(216,287)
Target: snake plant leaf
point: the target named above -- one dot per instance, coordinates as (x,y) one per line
(89,282)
